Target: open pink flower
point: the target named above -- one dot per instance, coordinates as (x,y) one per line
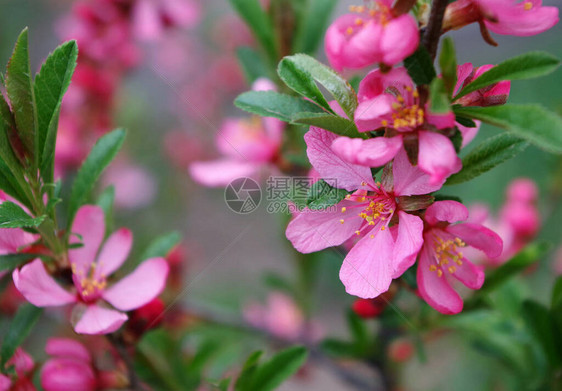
(69,368)
(390,236)
(22,364)
(90,271)
(247,146)
(508,17)
(371,35)
(441,262)
(390,101)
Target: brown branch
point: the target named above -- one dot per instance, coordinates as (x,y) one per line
(121,348)
(434,26)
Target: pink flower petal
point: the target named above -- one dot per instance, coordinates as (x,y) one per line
(39,288)
(478,237)
(400,38)
(449,211)
(146,21)
(98,320)
(408,179)
(333,169)
(314,230)
(374,152)
(470,275)
(69,348)
(436,290)
(114,252)
(64,374)
(467,133)
(141,286)
(367,269)
(370,113)
(88,228)
(12,239)
(409,241)
(218,173)
(463,72)
(437,157)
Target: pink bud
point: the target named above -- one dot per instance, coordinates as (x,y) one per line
(63,374)
(522,217)
(522,189)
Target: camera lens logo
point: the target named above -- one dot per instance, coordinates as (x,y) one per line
(243,195)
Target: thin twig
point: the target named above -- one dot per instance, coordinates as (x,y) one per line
(121,348)
(434,26)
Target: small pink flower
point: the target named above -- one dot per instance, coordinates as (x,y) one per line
(390,101)
(151,17)
(69,368)
(22,364)
(383,252)
(246,144)
(508,17)
(90,271)
(371,35)
(495,94)
(441,262)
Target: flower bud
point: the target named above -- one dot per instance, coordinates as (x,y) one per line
(400,350)
(64,374)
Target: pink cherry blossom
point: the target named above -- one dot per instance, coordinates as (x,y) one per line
(508,17)
(281,317)
(371,35)
(247,145)
(390,101)
(69,368)
(90,271)
(384,251)
(441,262)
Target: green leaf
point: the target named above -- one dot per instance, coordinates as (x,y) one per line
(448,64)
(245,378)
(358,328)
(340,89)
(9,262)
(105,201)
(526,257)
(525,66)
(162,245)
(557,293)
(252,64)
(333,123)
(275,104)
(487,155)
(539,322)
(258,21)
(439,101)
(13,216)
(312,25)
(19,87)
(321,195)
(420,66)
(337,348)
(51,83)
(300,80)
(21,326)
(9,183)
(99,158)
(279,368)
(533,123)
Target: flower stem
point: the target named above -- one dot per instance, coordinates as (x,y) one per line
(121,348)
(434,26)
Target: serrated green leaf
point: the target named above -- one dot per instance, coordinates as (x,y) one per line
(333,123)
(321,195)
(162,245)
(420,66)
(275,104)
(340,89)
(252,64)
(9,262)
(99,158)
(439,102)
(279,368)
(21,326)
(312,25)
(448,64)
(19,88)
(533,123)
(487,155)
(524,66)
(13,216)
(259,22)
(51,83)
(301,81)
(525,258)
